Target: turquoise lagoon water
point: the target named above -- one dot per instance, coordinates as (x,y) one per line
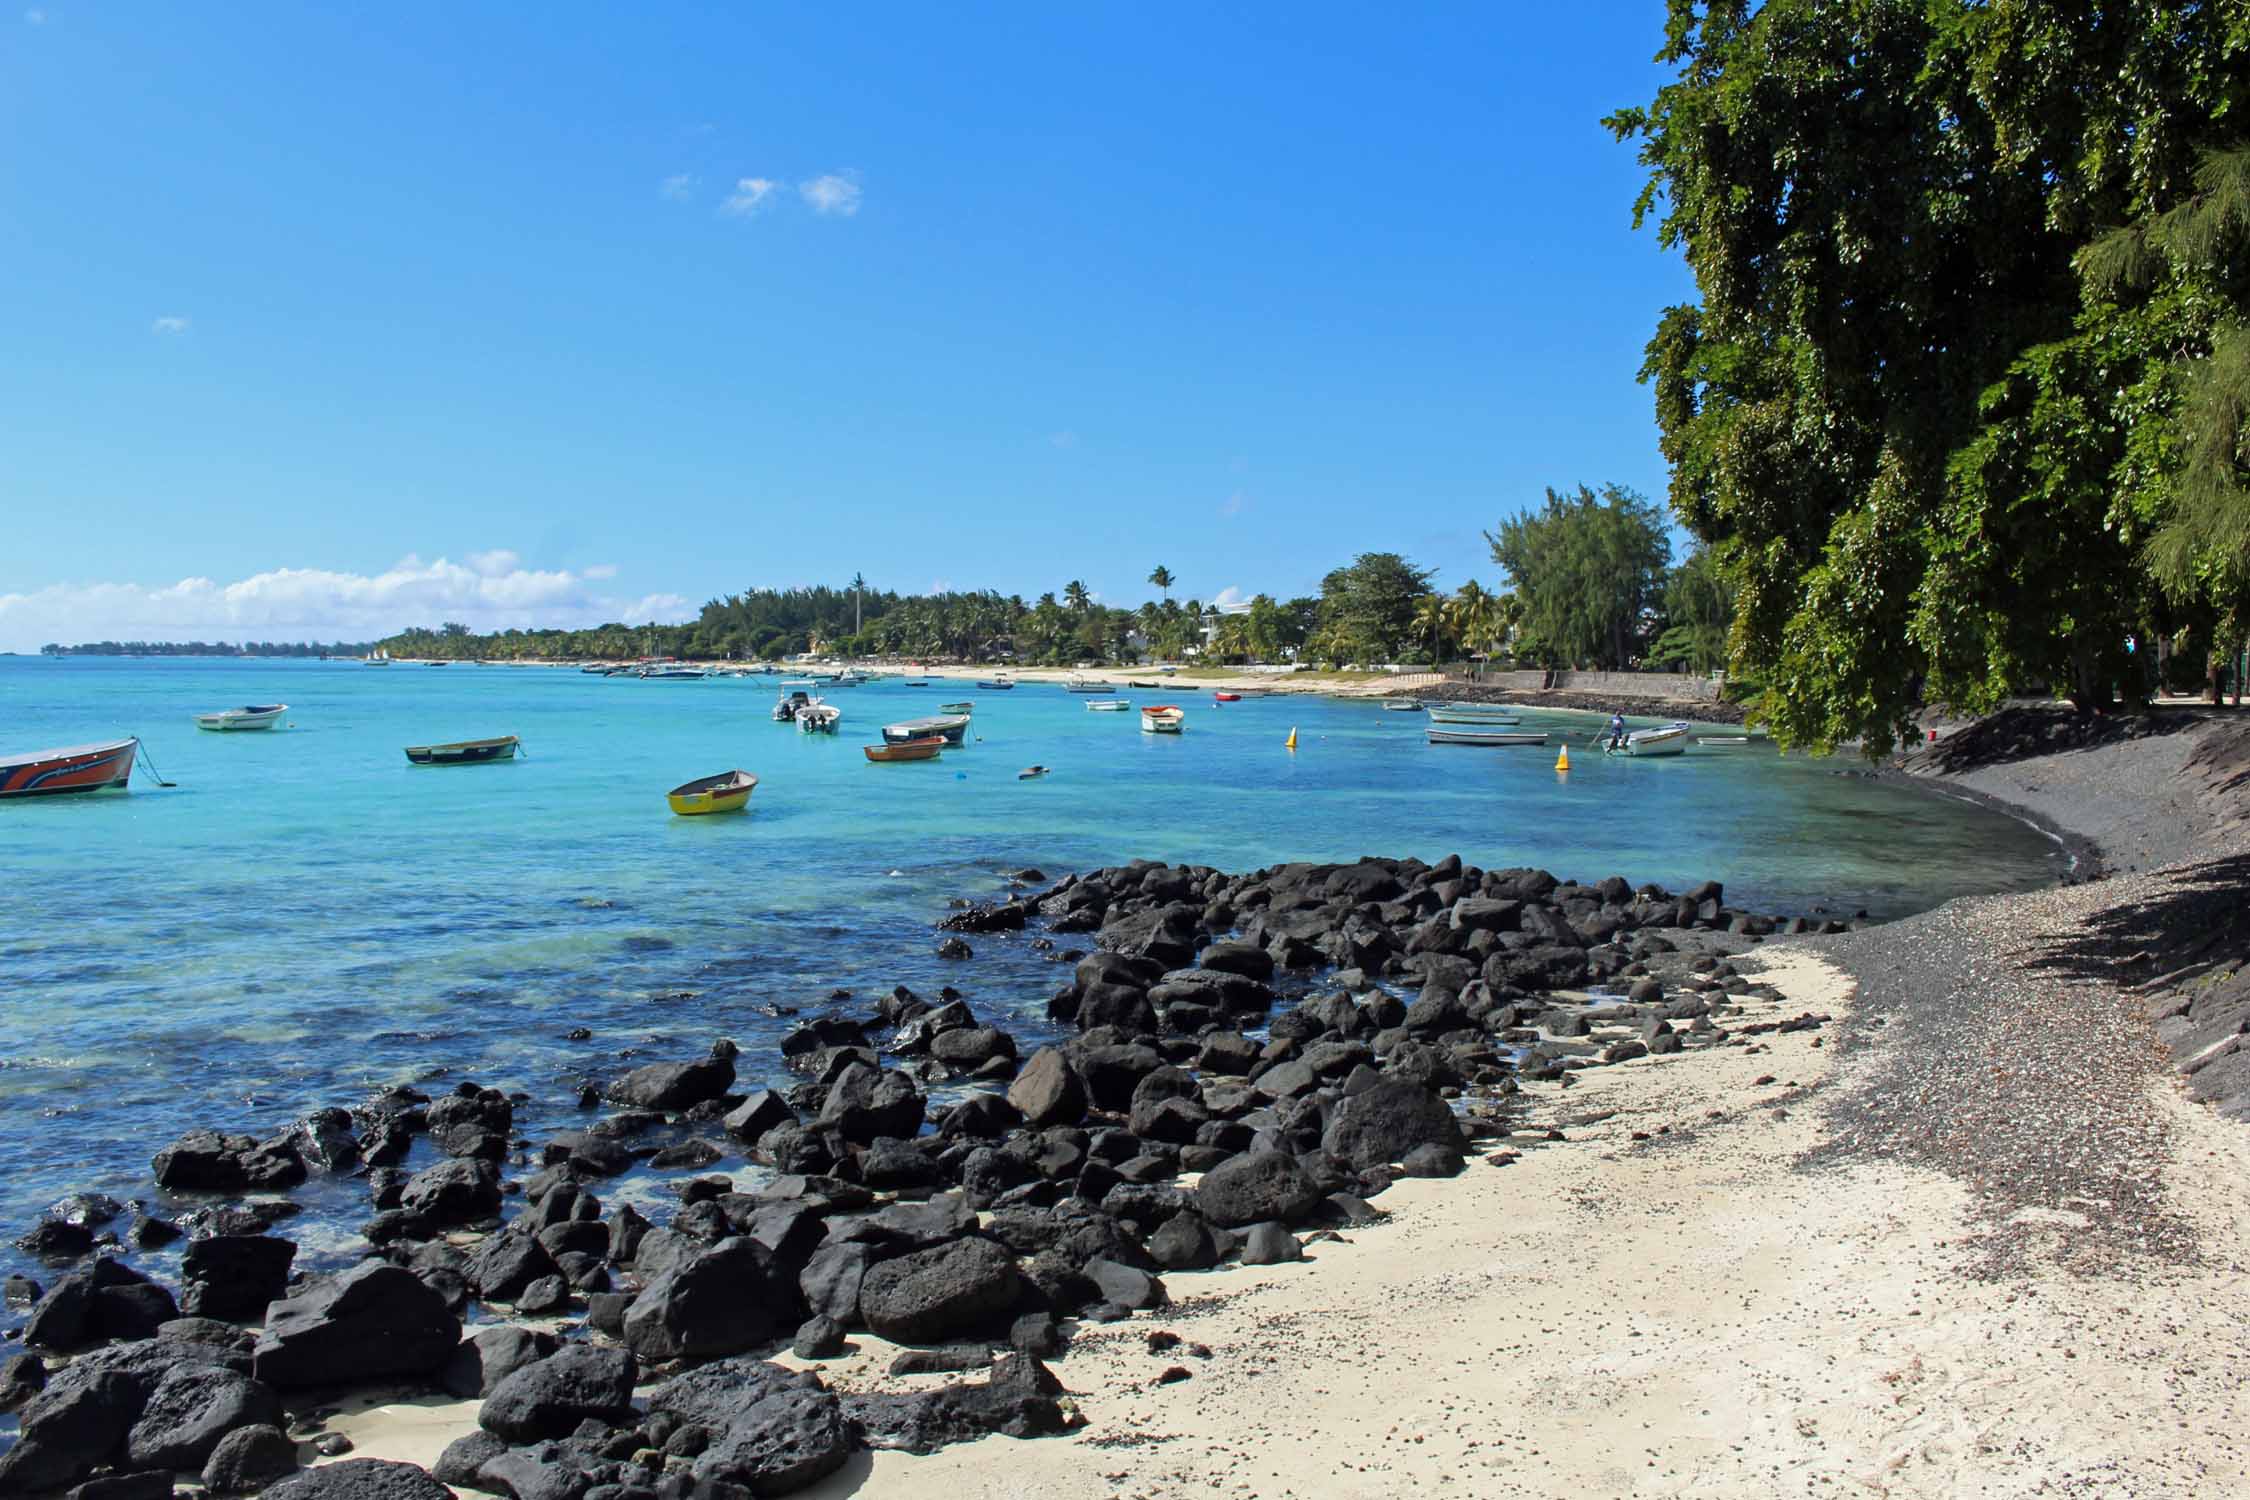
(306,917)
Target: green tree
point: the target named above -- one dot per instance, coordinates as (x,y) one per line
(1161,576)
(1076,597)
(1589,569)
(1368,605)
(1928,452)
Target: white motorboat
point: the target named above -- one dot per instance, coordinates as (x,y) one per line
(254,716)
(1108,705)
(1671,739)
(1486,737)
(819,718)
(1402,705)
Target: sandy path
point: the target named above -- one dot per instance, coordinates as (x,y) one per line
(1691,1313)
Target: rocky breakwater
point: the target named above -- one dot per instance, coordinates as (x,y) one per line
(1246,1063)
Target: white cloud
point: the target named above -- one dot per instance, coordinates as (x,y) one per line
(169,325)
(494,563)
(319,604)
(835,193)
(1233,504)
(679,187)
(749,194)
(599,571)
(1229,598)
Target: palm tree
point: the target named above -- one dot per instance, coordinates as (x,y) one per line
(1434,619)
(1076,597)
(858,583)
(1162,578)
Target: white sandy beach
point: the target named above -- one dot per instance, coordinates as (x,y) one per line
(1689,1313)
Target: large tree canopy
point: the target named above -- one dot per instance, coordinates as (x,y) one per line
(1588,569)
(1926,447)
(1367,608)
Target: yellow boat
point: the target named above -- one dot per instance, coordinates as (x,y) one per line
(729,791)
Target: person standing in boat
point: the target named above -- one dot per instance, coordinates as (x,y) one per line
(1616,731)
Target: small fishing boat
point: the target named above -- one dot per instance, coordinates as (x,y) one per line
(1473,713)
(464,752)
(596,669)
(1729,741)
(1671,739)
(957,708)
(1132,684)
(672,674)
(253,716)
(1487,737)
(995,684)
(1402,705)
(1077,684)
(1032,773)
(951,728)
(818,718)
(1162,718)
(1108,705)
(729,791)
(921,749)
(798,682)
(917,682)
(1227,697)
(437,664)
(789,705)
(379,658)
(74,768)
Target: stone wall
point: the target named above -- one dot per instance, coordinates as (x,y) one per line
(1684,686)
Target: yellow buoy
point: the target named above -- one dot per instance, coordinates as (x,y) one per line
(1291,742)
(1562,761)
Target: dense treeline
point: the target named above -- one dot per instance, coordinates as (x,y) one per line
(1964,406)
(209,648)
(1377,608)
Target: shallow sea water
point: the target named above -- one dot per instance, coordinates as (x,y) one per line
(307,918)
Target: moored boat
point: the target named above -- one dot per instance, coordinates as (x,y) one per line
(1487,737)
(925,748)
(252,716)
(1032,773)
(1162,718)
(819,718)
(73,768)
(957,708)
(672,674)
(1671,739)
(1473,713)
(789,705)
(995,684)
(1077,684)
(1730,741)
(729,791)
(1108,705)
(1133,683)
(1402,705)
(1226,697)
(464,752)
(951,728)
(916,682)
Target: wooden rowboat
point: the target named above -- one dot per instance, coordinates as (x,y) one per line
(1162,718)
(1487,737)
(464,752)
(1226,697)
(966,707)
(922,749)
(74,768)
(729,791)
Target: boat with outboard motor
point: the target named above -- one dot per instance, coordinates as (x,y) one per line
(819,718)
(1163,718)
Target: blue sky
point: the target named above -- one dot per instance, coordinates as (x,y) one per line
(323,323)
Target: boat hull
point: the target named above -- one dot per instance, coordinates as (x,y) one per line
(70,771)
(952,729)
(1649,743)
(1162,719)
(263,716)
(922,749)
(725,793)
(464,752)
(1491,738)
